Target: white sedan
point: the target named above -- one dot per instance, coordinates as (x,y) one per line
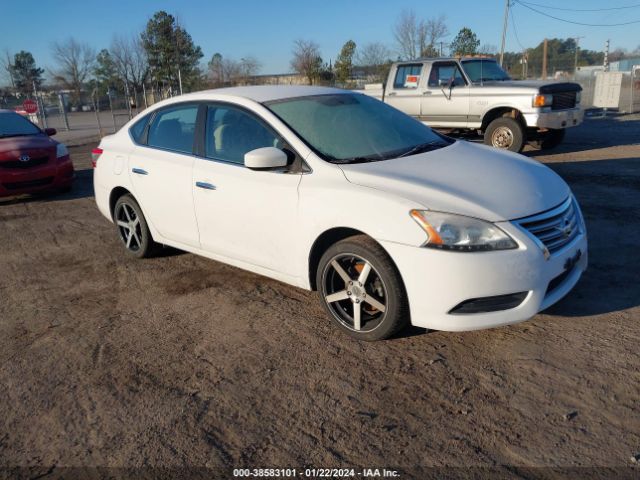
(331,190)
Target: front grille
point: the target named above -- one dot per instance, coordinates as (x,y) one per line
(41,182)
(17,164)
(563,100)
(554,228)
(489,304)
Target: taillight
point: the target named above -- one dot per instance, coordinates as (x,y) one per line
(95,155)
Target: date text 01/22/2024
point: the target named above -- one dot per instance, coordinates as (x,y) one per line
(315,473)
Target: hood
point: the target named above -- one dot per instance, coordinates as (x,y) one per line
(537,85)
(12,146)
(466,179)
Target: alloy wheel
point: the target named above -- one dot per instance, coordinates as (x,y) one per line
(129,227)
(354,292)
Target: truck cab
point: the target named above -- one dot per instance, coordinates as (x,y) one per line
(475,95)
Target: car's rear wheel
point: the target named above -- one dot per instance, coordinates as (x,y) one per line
(505,133)
(361,289)
(132,228)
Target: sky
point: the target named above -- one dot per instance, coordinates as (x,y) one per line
(266,29)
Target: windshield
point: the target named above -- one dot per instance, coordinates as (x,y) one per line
(484,70)
(14,125)
(351,127)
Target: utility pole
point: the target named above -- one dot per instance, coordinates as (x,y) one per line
(544,60)
(504,29)
(575,67)
(606,56)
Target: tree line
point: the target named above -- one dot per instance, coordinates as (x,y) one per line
(164,58)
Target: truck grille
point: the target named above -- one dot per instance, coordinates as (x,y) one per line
(17,164)
(563,100)
(554,228)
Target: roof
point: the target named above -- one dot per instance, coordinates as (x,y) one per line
(448,59)
(267,93)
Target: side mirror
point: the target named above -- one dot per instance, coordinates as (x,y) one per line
(50,131)
(265,158)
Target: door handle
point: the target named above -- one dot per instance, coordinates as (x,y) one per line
(139,171)
(427,92)
(391,94)
(205,185)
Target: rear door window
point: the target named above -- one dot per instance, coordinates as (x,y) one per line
(173,128)
(408,76)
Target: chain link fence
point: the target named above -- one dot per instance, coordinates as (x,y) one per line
(92,114)
(628,98)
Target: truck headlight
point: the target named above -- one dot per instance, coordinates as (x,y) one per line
(447,231)
(541,100)
(578,97)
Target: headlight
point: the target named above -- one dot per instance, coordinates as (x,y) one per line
(578,97)
(463,234)
(61,150)
(542,100)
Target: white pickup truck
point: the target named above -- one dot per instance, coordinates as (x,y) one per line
(475,95)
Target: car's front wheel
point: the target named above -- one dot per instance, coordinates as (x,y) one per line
(132,227)
(361,289)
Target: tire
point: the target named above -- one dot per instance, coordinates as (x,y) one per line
(505,133)
(376,296)
(552,139)
(128,217)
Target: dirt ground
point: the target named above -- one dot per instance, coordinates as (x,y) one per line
(182,363)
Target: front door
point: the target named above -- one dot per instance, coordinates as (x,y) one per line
(445,99)
(244,214)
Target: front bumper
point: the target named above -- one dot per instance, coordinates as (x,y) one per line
(52,176)
(436,281)
(555,119)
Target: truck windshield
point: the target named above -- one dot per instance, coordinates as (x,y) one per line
(484,70)
(354,128)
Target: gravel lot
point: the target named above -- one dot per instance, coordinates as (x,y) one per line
(181,362)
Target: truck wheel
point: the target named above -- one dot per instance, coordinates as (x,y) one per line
(552,139)
(505,133)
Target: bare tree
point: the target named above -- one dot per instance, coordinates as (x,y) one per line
(75,62)
(375,60)
(249,66)
(488,49)
(227,71)
(306,59)
(415,37)
(408,33)
(372,54)
(130,60)
(7,66)
(435,30)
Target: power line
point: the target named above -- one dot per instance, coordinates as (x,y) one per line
(515,32)
(576,23)
(551,7)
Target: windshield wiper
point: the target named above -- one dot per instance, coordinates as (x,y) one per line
(423,147)
(356,160)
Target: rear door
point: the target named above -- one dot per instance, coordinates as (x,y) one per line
(441,105)
(404,94)
(161,170)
